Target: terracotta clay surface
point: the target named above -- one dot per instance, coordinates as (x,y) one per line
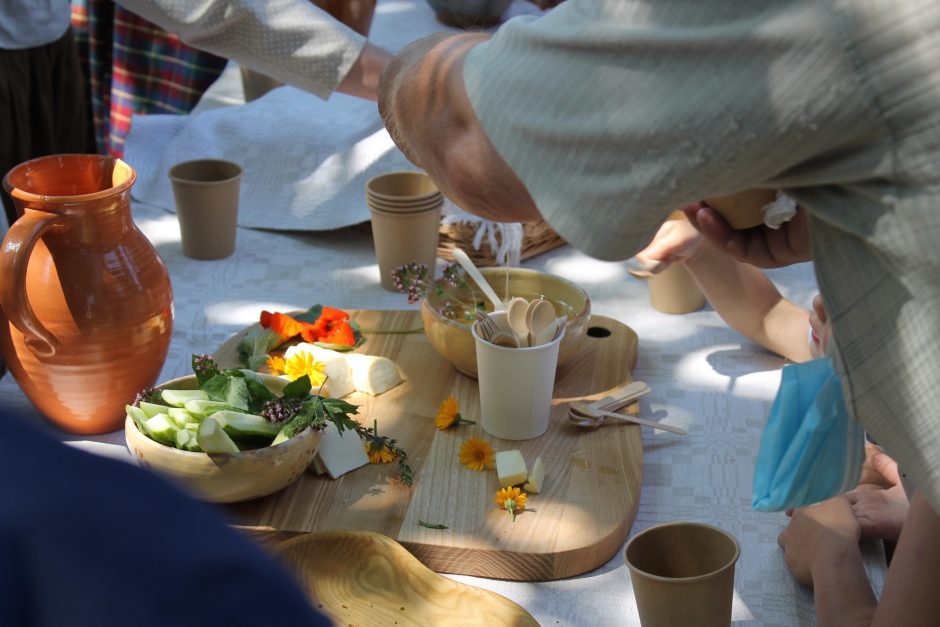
(87,307)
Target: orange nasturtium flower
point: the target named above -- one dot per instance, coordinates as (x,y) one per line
(477,454)
(332,327)
(512,500)
(448,414)
(303,363)
(282,324)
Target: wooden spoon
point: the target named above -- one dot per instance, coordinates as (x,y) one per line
(538,315)
(515,315)
(584,416)
(465,262)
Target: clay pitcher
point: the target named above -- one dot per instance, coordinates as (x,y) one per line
(86,307)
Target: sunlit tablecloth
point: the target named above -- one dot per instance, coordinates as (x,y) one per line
(703,376)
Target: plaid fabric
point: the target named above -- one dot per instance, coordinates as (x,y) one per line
(133,66)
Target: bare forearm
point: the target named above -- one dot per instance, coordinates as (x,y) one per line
(841,590)
(748,301)
(426,109)
(363,78)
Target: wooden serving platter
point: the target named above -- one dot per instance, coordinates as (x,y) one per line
(365,578)
(580,519)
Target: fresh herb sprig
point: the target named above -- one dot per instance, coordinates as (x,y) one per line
(414,280)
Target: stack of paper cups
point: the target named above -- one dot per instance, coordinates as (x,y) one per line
(406,219)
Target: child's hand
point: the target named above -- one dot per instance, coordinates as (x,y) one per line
(676,241)
(819,532)
(821,329)
(879,501)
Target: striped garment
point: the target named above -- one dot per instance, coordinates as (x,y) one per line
(135,67)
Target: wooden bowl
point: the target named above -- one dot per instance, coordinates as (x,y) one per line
(452,338)
(226,477)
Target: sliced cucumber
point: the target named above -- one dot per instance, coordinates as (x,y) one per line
(238,424)
(281,437)
(162,430)
(184,437)
(178,398)
(140,419)
(152,409)
(202,408)
(192,426)
(213,439)
(179,416)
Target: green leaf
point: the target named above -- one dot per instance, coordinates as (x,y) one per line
(229,389)
(298,388)
(256,362)
(257,390)
(237,393)
(311,315)
(432,525)
(258,344)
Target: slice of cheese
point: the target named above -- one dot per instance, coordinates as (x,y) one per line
(340,453)
(372,374)
(339,382)
(536,477)
(510,468)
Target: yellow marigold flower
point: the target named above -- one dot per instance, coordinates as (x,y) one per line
(303,363)
(448,415)
(275,364)
(379,455)
(477,454)
(512,500)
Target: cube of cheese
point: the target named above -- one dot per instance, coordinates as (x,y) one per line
(339,383)
(372,374)
(510,468)
(536,477)
(340,453)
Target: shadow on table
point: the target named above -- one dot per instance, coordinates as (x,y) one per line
(737,362)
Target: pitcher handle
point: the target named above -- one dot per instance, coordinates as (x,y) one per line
(14,258)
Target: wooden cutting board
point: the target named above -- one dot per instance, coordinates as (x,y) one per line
(365,579)
(580,520)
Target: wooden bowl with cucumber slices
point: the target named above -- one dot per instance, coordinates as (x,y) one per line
(218,477)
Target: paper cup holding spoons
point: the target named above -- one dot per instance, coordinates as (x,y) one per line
(516,385)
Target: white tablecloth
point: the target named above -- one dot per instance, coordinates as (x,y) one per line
(703,376)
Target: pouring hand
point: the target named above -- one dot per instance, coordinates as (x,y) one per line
(761,246)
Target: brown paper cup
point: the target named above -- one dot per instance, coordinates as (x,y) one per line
(744,209)
(401,238)
(674,291)
(408,207)
(206,195)
(402,188)
(683,574)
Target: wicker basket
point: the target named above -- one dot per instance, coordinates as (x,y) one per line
(537,238)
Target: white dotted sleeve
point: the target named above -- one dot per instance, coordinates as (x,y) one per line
(291,40)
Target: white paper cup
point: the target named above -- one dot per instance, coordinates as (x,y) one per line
(516,385)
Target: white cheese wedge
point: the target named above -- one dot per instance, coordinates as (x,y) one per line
(510,468)
(339,383)
(536,477)
(317,467)
(340,453)
(372,374)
